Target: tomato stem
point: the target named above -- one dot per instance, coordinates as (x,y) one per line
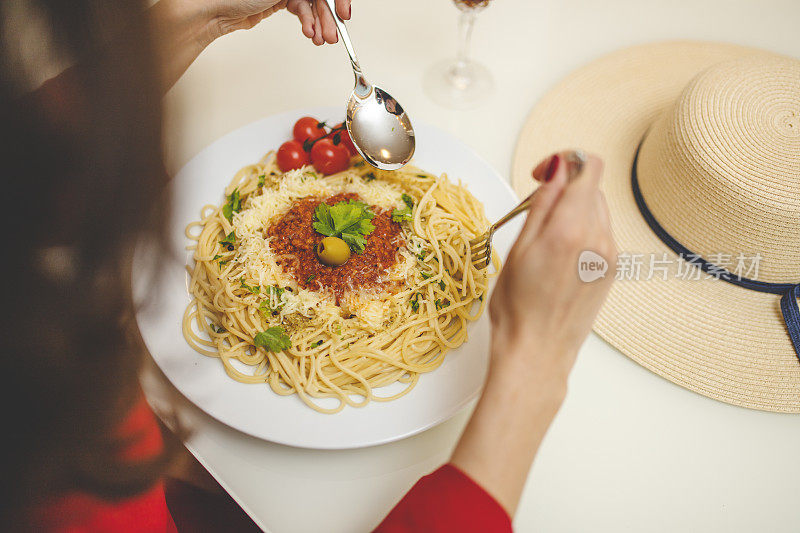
(308,144)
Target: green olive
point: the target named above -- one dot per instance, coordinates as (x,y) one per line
(333,251)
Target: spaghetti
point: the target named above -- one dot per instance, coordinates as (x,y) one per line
(390,314)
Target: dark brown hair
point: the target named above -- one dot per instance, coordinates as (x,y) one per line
(83,180)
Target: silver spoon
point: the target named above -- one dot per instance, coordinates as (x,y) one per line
(380,129)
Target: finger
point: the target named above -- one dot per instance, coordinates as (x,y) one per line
(328,25)
(588,181)
(343,9)
(581,192)
(544,200)
(302,9)
(542,171)
(318,39)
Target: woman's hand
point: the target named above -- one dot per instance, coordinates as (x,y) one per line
(183,28)
(539,300)
(541,312)
(316,19)
(317,22)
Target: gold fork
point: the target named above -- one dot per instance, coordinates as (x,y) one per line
(481,246)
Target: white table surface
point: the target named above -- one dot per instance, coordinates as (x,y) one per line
(629,451)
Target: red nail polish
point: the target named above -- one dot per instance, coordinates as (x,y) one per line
(552,168)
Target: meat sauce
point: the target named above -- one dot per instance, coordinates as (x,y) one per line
(294,241)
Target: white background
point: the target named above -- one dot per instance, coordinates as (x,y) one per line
(629,451)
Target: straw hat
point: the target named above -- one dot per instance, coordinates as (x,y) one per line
(715,131)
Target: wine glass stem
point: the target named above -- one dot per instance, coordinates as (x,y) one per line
(466,22)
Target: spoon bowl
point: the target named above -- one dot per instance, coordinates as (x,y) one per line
(379,127)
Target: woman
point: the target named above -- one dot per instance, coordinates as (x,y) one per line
(84,178)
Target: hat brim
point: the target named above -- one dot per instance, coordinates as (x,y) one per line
(709,336)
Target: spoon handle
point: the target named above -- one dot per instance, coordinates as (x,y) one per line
(363,88)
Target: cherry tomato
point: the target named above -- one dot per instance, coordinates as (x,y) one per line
(329,158)
(291,156)
(308,128)
(345,139)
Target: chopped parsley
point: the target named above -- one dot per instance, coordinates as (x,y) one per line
(261,180)
(229,241)
(441,284)
(426,275)
(441,304)
(422,175)
(415,302)
(234,205)
(255,289)
(369,176)
(312,277)
(273,339)
(316,344)
(277,291)
(399,215)
(348,219)
(266,308)
(219,260)
(421,256)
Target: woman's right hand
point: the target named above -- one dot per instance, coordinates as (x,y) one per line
(541,311)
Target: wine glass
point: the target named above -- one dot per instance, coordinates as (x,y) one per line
(461,82)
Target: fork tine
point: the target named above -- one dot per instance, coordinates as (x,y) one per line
(481,254)
(478,241)
(480,264)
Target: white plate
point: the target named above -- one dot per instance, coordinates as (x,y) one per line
(255,409)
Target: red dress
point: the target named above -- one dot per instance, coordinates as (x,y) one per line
(444,501)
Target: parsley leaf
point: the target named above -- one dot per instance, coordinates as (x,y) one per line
(369,176)
(229,241)
(323,221)
(273,339)
(349,219)
(415,302)
(316,344)
(255,289)
(261,180)
(234,205)
(441,284)
(399,215)
(356,242)
(426,275)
